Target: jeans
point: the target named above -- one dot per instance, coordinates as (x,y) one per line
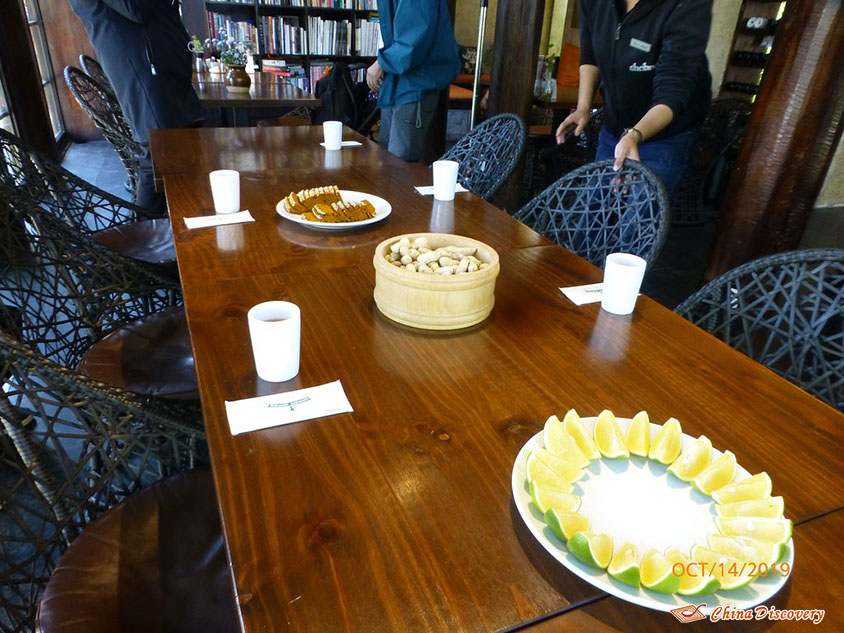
(667,158)
(403,127)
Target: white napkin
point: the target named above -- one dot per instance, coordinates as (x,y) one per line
(264,412)
(217,220)
(347,144)
(581,295)
(429,190)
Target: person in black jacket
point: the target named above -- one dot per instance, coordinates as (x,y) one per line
(143,47)
(649,57)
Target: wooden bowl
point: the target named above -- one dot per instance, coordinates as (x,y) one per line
(435,302)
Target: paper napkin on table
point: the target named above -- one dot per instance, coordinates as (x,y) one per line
(347,144)
(581,295)
(217,220)
(429,190)
(264,412)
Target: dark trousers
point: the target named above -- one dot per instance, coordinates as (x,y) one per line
(403,127)
(667,158)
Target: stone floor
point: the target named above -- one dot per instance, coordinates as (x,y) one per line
(674,276)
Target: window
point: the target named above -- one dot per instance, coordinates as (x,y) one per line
(45,68)
(6,121)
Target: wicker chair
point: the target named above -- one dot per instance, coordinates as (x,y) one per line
(91,310)
(594,211)
(785,311)
(70,450)
(488,154)
(104,218)
(712,161)
(92,67)
(107,116)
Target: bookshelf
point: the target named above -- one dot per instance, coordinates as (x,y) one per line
(751,49)
(300,38)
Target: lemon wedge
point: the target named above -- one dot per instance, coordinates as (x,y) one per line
(639,434)
(693,461)
(574,426)
(608,437)
(668,442)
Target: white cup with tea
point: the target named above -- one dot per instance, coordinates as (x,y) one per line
(225,190)
(275,330)
(623,274)
(333,133)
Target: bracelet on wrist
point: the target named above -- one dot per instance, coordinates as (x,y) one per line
(627,130)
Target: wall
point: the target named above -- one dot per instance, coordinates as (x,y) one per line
(466,25)
(724,18)
(832,192)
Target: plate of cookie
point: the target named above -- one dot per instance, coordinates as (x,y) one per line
(332,208)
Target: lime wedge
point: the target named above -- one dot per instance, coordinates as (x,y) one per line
(756,487)
(753,550)
(608,437)
(718,474)
(764,529)
(560,443)
(692,582)
(772,507)
(693,461)
(639,434)
(591,548)
(730,572)
(668,442)
(657,573)
(575,427)
(564,525)
(562,469)
(545,498)
(624,565)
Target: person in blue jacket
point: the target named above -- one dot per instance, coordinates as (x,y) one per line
(142,46)
(418,60)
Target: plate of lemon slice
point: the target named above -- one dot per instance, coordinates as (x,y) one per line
(651,515)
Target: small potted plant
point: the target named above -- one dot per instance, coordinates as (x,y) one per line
(237,79)
(195,47)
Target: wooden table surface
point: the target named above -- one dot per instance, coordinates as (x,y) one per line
(262,94)
(399,516)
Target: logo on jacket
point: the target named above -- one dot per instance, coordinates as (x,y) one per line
(641,68)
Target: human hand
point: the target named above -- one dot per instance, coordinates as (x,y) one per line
(577,121)
(374,76)
(627,147)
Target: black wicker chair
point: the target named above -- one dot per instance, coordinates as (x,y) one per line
(488,154)
(107,115)
(94,70)
(787,312)
(71,449)
(104,218)
(89,309)
(594,211)
(704,180)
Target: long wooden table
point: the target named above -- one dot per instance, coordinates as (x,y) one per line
(399,516)
(265,92)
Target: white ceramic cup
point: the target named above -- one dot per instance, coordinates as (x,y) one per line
(623,275)
(275,329)
(225,189)
(333,132)
(445,179)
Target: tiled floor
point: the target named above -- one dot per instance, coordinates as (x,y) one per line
(675,275)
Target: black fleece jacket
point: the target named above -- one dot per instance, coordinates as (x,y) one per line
(653,55)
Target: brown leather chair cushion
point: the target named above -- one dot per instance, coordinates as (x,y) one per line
(150,356)
(152,564)
(148,240)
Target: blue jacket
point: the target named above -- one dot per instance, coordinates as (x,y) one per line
(419,51)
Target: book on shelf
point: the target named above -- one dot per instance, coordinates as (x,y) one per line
(283,35)
(367,37)
(329,37)
(366,5)
(229,1)
(239,30)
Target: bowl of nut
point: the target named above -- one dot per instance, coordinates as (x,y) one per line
(435,281)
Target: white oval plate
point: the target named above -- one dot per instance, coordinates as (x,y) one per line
(382,210)
(636,501)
